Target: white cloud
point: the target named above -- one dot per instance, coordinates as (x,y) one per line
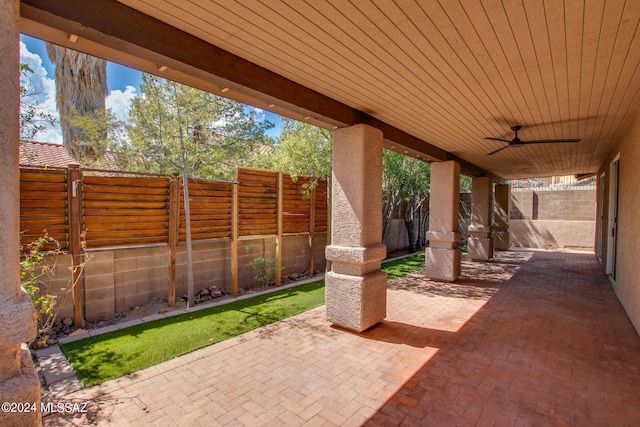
(44,88)
(118,102)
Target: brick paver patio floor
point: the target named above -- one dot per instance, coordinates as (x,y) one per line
(532,338)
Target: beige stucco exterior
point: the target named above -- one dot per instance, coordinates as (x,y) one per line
(18,379)
(500,228)
(443,256)
(356,288)
(627,280)
(480,239)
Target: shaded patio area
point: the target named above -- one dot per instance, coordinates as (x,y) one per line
(529,338)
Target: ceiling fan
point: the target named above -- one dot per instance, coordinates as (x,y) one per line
(517,142)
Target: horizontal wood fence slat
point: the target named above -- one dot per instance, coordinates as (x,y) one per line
(125,210)
(43,205)
(136,200)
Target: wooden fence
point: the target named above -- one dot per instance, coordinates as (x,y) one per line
(120,210)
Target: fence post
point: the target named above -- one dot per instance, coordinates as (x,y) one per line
(174,233)
(280,221)
(312,228)
(234,235)
(74,202)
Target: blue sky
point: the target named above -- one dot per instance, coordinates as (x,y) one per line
(123,83)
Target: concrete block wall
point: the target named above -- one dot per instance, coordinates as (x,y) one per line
(565,205)
(549,234)
(545,219)
(521,205)
(295,253)
(319,245)
(58,282)
(140,274)
(211,265)
(99,288)
(247,251)
(120,279)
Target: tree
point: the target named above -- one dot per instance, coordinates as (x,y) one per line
(465,184)
(103,129)
(32,119)
(176,128)
(171,124)
(406,182)
(81,88)
(303,149)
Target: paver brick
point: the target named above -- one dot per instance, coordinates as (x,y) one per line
(529,338)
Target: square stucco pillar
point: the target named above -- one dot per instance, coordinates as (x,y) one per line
(18,380)
(480,241)
(356,288)
(443,255)
(501,217)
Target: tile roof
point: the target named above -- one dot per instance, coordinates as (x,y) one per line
(46,154)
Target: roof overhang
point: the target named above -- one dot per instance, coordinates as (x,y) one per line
(561,71)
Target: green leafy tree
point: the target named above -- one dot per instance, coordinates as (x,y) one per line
(406,183)
(102,129)
(465,184)
(303,149)
(171,123)
(33,120)
(178,129)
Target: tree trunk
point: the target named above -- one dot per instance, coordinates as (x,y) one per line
(410,223)
(187,218)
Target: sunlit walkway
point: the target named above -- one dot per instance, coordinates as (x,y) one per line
(530,338)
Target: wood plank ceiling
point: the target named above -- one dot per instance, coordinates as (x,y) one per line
(449,72)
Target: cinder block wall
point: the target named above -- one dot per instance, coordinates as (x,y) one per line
(570,205)
(119,279)
(211,265)
(295,253)
(58,282)
(319,245)
(545,234)
(99,288)
(552,219)
(139,275)
(565,205)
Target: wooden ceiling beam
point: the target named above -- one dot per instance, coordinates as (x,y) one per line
(118,27)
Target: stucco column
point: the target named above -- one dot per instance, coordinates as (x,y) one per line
(480,242)
(501,217)
(356,288)
(18,380)
(443,254)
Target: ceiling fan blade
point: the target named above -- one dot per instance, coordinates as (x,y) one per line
(497,151)
(546,141)
(499,139)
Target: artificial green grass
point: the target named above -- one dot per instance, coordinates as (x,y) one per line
(111,355)
(404,266)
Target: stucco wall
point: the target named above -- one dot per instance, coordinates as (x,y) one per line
(627,282)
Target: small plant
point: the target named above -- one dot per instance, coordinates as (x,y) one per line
(38,261)
(265,269)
